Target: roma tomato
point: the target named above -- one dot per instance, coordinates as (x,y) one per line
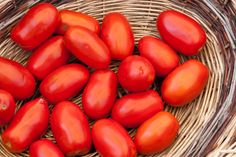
(157,133)
(36,26)
(181,32)
(185,83)
(48,57)
(100,94)
(70,18)
(163,58)
(7,107)
(44,148)
(136,74)
(133,109)
(87,47)
(118,36)
(70,129)
(112,140)
(29,124)
(16,79)
(64,83)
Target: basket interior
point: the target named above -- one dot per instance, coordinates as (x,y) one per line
(196,117)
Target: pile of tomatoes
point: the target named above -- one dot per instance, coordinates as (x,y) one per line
(54,36)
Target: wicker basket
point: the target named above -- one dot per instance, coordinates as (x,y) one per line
(208,124)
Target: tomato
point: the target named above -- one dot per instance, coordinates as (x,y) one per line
(87,47)
(36,26)
(70,129)
(185,83)
(157,133)
(163,58)
(7,107)
(100,94)
(44,148)
(133,109)
(117,34)
(64,83)
(48,57)
(112,140)
(70,18)
(28,125)
(136,74)
(181,32)
(16,79)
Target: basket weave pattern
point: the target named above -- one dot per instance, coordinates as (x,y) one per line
(208,124)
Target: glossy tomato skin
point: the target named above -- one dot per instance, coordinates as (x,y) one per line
(36,26)
(48,57)
(70,129)
(181,32)
(100,94)
(163,58)
(44,148)
(185,83)
(64,83)
(112,140)
(7,107)
(16,79)
(133,109)
(136,74)
(156,134)
(28,125)
(87,47)
(117,34)
(70,18)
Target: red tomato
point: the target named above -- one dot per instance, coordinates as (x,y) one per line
(157,133)
(118,36)
(16,79)
(100,94)
(28,125)
(136,74)
(87,47)
(44,148)
(163,58)
(181,32)
(70,129)
(7,107)
(185,83)
(112,140)
(70,18)
(133,109)
(48,57)
(64,83)
(36,26)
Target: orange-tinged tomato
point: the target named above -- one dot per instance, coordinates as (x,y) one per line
(36,26)
(70,18)
(163,58)
(157,133)
(117,34)
(112,140)
(185,83)
(181,32)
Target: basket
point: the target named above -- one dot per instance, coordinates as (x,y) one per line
(208,124)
